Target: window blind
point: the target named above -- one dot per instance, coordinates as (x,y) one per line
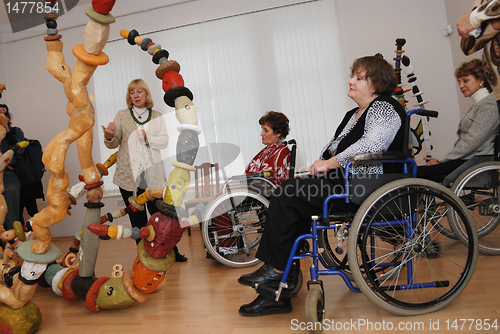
(286,59)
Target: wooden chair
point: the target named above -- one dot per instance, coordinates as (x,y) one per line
(206,185)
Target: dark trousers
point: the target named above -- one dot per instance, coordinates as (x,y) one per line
(12,195)
(438,172)
(289,215)
(139,218)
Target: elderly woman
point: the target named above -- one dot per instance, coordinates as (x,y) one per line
(140,133)
(476,131)
(275,157)
(374,126)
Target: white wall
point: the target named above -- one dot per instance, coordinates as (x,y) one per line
(455,10)
(369,27)
(38,103)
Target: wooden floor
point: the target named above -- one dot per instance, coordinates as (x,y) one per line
(203,296)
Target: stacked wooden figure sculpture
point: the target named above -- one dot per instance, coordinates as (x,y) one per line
(165,228)
(421,134)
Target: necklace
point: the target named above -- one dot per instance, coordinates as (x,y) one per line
(140,115)
(136,120)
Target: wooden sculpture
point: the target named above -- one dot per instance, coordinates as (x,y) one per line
(165,228)
(40,252)
(81,113)
(421,134)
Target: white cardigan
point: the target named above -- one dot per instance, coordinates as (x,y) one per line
(138,164)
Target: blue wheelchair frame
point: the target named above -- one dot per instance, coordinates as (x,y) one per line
(317,226)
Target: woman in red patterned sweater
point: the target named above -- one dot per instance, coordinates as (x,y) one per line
(275,157)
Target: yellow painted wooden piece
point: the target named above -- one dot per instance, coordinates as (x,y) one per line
(154,264)
(87,58)
(142,199)
(124,33)
(113,295)
(112,231)
(24,320)
(152,233)
(18,228)
(111,160)
(178,183)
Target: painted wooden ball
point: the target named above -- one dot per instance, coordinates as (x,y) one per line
(168,233)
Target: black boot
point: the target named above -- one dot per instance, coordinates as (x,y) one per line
(178,256)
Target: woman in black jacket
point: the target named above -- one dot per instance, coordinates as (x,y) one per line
(12,184)
(374,126)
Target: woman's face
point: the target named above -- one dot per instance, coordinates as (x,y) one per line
(269,137)
(138,97)
(360,88)
(469,85)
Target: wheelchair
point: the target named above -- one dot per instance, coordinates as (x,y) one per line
(479,188)
(233,222)
(392,249)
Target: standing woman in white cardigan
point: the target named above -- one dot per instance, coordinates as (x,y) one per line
(140,133)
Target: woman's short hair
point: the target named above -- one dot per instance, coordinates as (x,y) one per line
(380,73)
(276,121)
(6,110)
(475,68)
(139,83)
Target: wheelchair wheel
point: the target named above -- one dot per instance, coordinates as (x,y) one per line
(403,263)
(315,309)
(479,188)
(232,227)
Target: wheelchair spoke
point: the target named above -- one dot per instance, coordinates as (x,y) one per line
(404,264)
(232,227)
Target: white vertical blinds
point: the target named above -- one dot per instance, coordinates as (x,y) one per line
(286,59)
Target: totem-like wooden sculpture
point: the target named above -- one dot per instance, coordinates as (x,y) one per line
(165,228)
(421,132)
(41,251)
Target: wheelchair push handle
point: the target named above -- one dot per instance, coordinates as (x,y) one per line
(423,112)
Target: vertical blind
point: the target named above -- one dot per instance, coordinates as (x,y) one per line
(286,59)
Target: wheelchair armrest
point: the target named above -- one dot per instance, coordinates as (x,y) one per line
(376,156)
(251,176)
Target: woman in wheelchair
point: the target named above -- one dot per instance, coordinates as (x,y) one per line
(374,126)
(476,131)
(275,157)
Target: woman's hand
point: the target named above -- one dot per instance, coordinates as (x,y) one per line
(464,26)
(320,167)
(109,131)
(432,162)
(142,135)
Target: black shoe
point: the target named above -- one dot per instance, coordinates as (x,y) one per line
(263,275)
(180,258)
(263,306)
